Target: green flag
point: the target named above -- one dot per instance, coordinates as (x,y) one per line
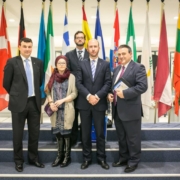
(130,39)
(50,50)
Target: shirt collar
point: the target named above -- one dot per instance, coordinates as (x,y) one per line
(23,58)
(80,50)
(126,65)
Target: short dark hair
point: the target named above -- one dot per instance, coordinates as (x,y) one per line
(78,32)
(125,46)
(25,39)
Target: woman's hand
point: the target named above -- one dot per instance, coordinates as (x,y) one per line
(59,102)
(53,107)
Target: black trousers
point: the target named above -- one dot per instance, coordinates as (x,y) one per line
(129,135)
(86,125)
(32,114)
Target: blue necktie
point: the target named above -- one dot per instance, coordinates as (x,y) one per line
(93,68)
(29,78)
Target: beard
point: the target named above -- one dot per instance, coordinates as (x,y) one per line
(80,44)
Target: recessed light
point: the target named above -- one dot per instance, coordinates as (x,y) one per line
(175,17)
(11,20)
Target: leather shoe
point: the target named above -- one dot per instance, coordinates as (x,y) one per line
(85,164)
(37,164)
(119,164)
(130,168)
(19,167)
(103,164)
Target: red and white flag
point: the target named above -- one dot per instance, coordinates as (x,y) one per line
(162,88)
(5,54)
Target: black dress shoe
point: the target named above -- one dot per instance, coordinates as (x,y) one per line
(103,164)
(109,123)
(37,164)
(85,164)
(119,164)
(19,167)
(130,168)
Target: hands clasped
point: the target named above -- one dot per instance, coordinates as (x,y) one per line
(93,100)
(54,106)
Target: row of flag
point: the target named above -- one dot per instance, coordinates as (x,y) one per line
(46,52)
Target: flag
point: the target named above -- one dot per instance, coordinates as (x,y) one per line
(162,89)
(22,32)
(5,54)
(130,39)
(50,50)
(176,82)
(85,28)
(66,44)
(42,46)
(99,36)
(146,60)
(115,42)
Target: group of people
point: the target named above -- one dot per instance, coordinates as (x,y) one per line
(81,83)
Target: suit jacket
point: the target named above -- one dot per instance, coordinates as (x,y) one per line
(100,86)
(15,83)
(73,60)
(130,108)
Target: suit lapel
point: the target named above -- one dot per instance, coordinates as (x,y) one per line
(34,66)
(75,55)
(86,54)
(98,68)
(21,67)
(88,67)
(128,69)
(115,74)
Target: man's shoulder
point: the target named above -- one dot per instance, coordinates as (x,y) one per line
(70,52)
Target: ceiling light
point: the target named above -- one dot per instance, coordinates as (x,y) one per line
(11,20)
(93,17)
(175,17)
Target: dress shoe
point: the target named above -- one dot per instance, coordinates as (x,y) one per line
(129,169)
(103,164)
(19,167)
(109,123)
(119,164)
(85,164)
(37,164)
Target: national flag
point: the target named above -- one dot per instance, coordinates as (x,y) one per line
(162,89)
(50,50)
(99,36)
(42,46)
(146,60)
(66,44)
(176,82)
(5,54)
(22,32)
(130,39)
(85,28)
(115,42)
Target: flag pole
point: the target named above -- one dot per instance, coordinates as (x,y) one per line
(115,6)
(66,7)
(98,3)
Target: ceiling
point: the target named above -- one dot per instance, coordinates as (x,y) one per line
(32,12)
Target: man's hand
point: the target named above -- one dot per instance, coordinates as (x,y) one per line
(120,93)
(93,100)
(110,97)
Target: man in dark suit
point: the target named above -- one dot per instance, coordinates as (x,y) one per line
(93,83)
(22,80)
(74,58)
(127,108)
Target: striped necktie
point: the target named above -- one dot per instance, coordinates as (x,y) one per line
(93,68)
(29,77)
(80,55)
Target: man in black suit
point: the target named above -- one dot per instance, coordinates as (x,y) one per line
(127,108)
(93,83)
(74,59)
(22,80)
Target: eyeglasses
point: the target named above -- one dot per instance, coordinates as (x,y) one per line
(61,63)
(79,37)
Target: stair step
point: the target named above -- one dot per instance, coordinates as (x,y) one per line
(152,151)
(145,171)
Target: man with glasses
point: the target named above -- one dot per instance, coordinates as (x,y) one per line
(74,58)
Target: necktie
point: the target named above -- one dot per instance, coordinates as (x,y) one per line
(93,68)
(29,78)
(115,95)
(80,56)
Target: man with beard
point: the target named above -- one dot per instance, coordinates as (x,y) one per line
(74,58)
(93,81)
